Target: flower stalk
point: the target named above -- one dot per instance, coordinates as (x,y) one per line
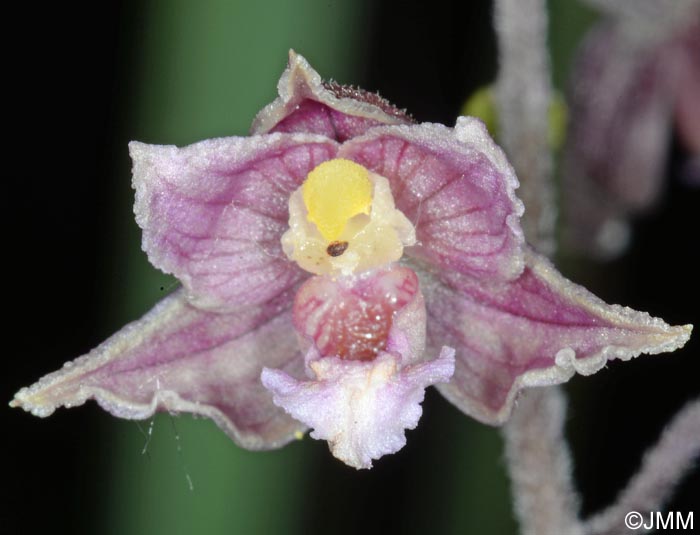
(523,95)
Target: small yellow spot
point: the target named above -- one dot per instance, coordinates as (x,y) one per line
(334,192)
(481,104)
(298,435)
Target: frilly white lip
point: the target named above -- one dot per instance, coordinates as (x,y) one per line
(361,408)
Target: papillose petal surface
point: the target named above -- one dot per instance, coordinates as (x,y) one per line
(213,213)
(537,330)
(178,358)
(457,188)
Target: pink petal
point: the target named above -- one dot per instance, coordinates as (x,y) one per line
(457,188)
(353,318)
(213,213)
(178,358)
(307,104)
(539,329)
(360,408)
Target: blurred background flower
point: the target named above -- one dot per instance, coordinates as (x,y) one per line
(87,82)
(635,83)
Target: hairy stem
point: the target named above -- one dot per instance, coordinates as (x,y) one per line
(536,450)
(663,467)
(523,89)
(540,465)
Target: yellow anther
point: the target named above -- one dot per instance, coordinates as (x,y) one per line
(335,191)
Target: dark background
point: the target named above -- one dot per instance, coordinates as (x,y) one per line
(70,77)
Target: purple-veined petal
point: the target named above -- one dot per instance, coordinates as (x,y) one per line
(354,318)
(307,104)
(537,330)
(213,213)
(457,188)
(362,408)
(178,358)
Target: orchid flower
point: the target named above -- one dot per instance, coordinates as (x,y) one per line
(637,77)
(333,265)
